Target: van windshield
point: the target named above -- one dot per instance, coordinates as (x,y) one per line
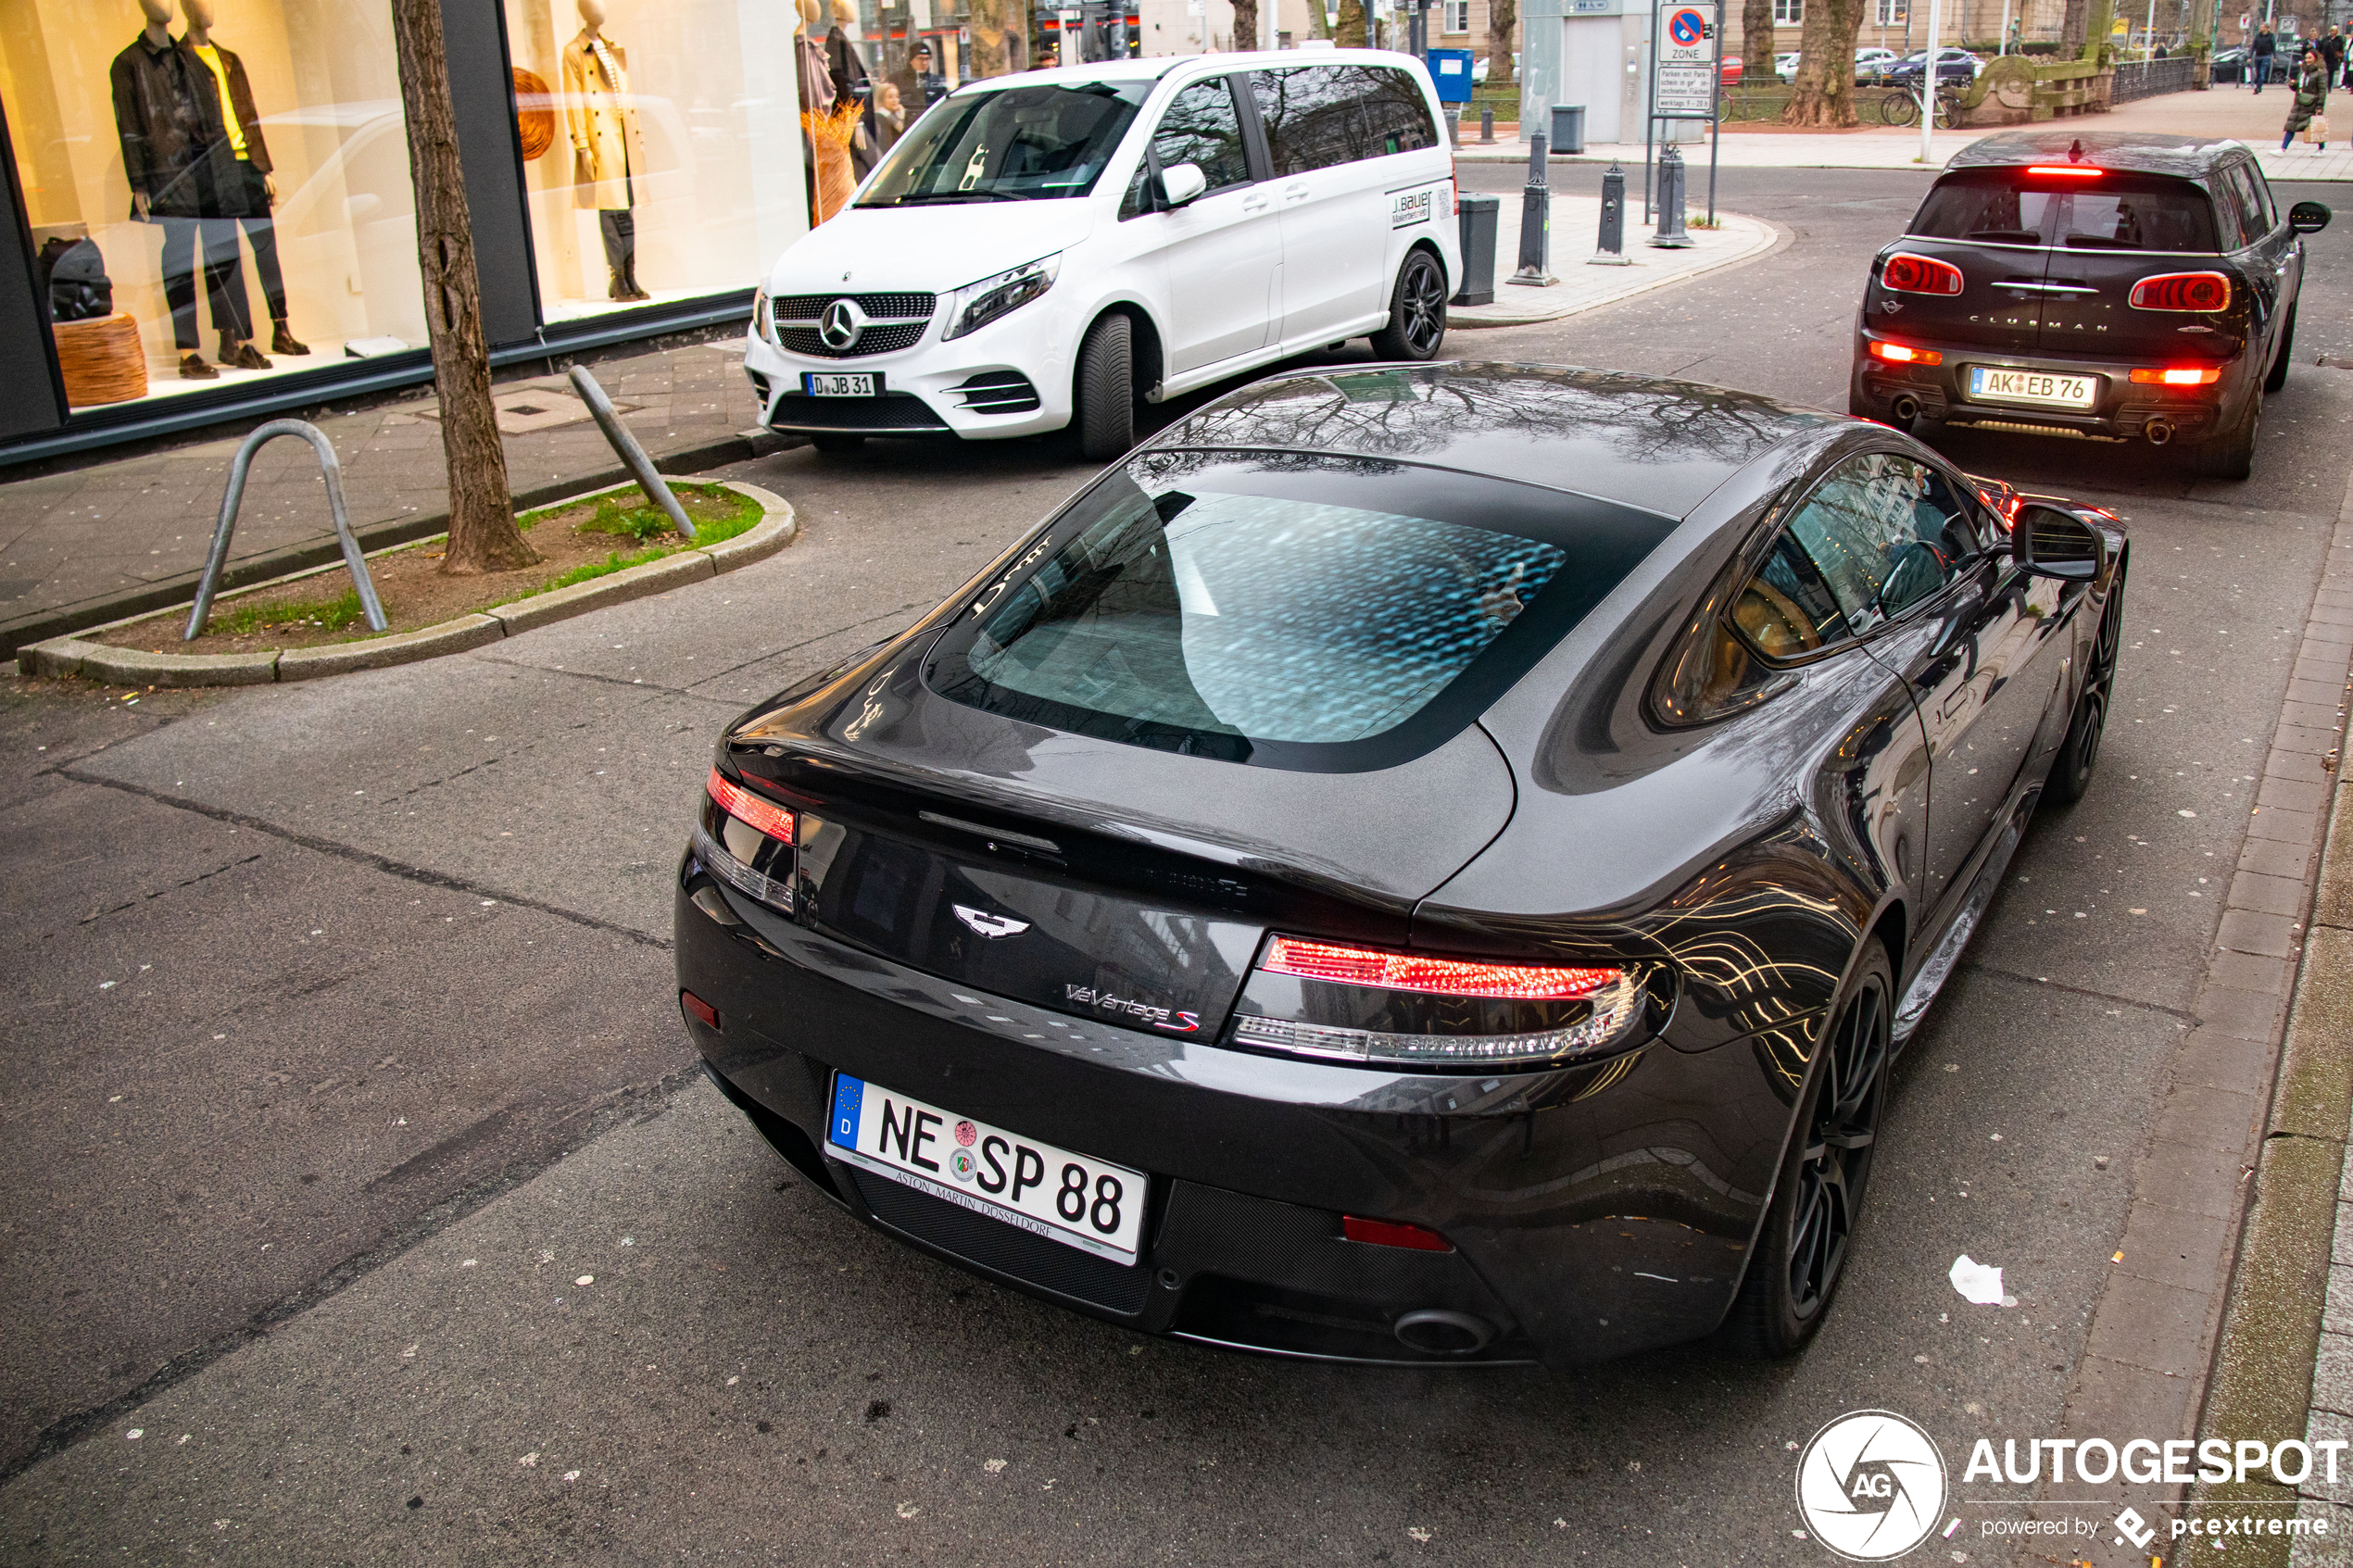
(1017,144)
(2106,212)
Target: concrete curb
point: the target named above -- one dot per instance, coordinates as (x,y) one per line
(59,657)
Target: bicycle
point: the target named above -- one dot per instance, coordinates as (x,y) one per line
(1903,108)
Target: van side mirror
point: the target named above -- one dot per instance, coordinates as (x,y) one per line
(2046,542)
(1183,183)
(2307,218)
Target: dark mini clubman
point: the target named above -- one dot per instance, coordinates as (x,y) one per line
(1414,864)
(2116,285)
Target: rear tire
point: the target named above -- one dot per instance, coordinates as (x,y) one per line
(1802,1252)
(835,443)
(2231,452)
(1106,389)
(2278,378)
(1417,312)
(2079,752)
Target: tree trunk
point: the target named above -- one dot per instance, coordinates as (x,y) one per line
(1757,39)
(482,536)
(1245,24)
(1351,32)
(1824,91)
(2072,26)
(1503,21)
(991,29)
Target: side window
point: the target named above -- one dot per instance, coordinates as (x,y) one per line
(1311,118)
(2239,217)
(1886,531)
(1396,115)
(1787,609)
(1202,126)
(2257,197)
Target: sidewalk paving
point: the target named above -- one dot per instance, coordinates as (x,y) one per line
(2225,110)
(1575,222)
(83,543)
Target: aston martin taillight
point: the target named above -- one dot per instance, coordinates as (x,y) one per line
(746,841)
(1908,274)
(2182,291)
(1339,1001)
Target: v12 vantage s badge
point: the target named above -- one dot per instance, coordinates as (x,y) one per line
(1170,1019)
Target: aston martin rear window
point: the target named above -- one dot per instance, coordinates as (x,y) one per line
(2106,211)
(1290,611)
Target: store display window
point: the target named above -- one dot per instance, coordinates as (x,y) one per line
(663,146)
(218,189)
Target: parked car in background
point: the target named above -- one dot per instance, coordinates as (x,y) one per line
(1871,65)
(2120,284)
(1952,65)
(1785,67)
(1050,249)
(1727,70)
(2230,65)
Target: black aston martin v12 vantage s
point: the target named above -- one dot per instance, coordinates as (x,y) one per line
(1415,864)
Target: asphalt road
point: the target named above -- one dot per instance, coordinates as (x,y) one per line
(357,1165)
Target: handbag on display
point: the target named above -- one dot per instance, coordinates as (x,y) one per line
(76,279)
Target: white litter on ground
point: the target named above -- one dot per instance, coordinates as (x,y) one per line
(1977,1282)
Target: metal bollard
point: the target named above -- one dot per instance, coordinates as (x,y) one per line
(1535,222)
(625,445)
(1671,234)
(1611,250)
(1487,125)
(330,469)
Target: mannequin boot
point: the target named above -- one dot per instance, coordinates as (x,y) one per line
(193,367)
(629,276)
(281,340)
(240,355)
(619,288)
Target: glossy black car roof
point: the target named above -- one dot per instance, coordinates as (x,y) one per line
(2141,152)
(1640,441)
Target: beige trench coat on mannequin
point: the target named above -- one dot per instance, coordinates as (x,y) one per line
(602,121)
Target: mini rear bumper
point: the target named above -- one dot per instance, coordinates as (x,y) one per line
(1594,1210)
(2121,408)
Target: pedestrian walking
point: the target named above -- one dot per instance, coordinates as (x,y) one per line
(2308,113)
(2341,39)
(2259,53)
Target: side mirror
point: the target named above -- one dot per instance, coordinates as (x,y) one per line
(1181,184)
(2307,218)
(2046,542)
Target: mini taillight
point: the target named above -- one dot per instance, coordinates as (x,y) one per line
(1904,354)
(2178,375)
(2182,291)
(1340,1002)
(1908,274)
(2066,171)
(775,820)
(1392,1232)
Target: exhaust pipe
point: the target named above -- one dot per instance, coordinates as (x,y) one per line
(1907,408)
(1435,1332)
(2160,432)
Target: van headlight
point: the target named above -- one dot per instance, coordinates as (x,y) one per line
(976,304)
(760,327)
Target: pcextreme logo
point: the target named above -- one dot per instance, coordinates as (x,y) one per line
(1870,1486)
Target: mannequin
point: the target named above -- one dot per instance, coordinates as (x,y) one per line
(166,112)
(243,195)
(848,72)
(607,153)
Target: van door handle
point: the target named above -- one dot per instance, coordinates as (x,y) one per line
(1255,204)
(1294,193)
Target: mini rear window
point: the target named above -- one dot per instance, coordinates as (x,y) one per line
(1319,614)
(2108,211)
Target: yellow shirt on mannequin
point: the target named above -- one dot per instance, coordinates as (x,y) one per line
(211,57)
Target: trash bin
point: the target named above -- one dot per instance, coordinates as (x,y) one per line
(1477,217)
(1568,129)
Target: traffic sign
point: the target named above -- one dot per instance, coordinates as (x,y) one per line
(1686,36)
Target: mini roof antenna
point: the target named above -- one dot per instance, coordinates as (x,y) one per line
(2075,153)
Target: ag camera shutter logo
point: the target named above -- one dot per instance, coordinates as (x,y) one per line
(1870,1486)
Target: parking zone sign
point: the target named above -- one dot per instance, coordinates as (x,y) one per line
(1686,44)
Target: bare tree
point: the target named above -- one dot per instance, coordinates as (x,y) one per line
(2072,24)
(1001,37)
(1503,21)
(482,536)
(1756,37)
(1824,91)
(1351,32)
(1245,24)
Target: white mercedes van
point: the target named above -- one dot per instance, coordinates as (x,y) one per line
(1052,248)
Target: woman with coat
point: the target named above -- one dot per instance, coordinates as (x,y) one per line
(2311,98)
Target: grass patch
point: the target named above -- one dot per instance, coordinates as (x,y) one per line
(589,571)
(322,615)
(716,511)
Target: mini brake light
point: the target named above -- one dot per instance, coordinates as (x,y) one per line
(2178,375)
(1392,1232)
(775,820)
(1908,274)
(2066,171)
(1439,977)
(2182,291)
(1904,354)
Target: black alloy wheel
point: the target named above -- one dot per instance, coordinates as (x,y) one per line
(1801,1256)
(2280,362)
(2079,752)
(2230,453)
(1417,312)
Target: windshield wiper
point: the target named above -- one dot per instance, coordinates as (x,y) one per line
(923,198)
